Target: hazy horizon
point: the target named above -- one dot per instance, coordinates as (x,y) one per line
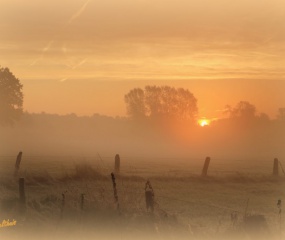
(106,97)
(84,56)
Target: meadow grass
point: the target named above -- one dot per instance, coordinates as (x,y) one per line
(186,205)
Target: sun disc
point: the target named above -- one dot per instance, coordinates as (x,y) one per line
(204,122)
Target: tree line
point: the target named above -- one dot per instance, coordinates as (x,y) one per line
(152,102)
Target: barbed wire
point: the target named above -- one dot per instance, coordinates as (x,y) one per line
(141,193)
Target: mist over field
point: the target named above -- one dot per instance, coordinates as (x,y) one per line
(158,192)
(69,135)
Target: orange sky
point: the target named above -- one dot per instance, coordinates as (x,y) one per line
(83,56)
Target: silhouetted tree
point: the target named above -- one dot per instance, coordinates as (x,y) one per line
(11,97)
(243,109)
(135,101)
(245,113)
(264,117)
(161,103)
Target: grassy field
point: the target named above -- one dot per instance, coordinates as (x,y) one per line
(187,206)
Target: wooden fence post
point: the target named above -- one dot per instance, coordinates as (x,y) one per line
(115,190)
(149,196)
(82,202)
(117,163)
(279,206)
(17,164)
(62,205)
(206,166)
(275,167)
(22,195)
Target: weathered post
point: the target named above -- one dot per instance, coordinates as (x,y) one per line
(275,167)
(22,195)
(279,206)
(117,163)
(62,205)
(234,218)
(17,164)
(149,196)
(206,166)
(82,202)
(115,191)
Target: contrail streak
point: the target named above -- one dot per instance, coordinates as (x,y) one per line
(79,12)
(47,47)
(80,63)
(63,80)
(44,50)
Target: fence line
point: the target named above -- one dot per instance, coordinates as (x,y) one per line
(140,192)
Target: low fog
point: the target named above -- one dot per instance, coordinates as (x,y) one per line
(69,135)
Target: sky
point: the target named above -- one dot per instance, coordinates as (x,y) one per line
(81,57)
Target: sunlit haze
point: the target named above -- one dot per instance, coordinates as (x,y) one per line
(83,56)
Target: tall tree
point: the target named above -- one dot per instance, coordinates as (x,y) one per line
(135,101)
(11,97)
(161,102)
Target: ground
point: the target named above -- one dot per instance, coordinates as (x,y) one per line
(237,200)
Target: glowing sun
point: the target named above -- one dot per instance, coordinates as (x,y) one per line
(204,122)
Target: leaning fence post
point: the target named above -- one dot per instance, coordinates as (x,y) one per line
(22,195)
(115,191)
(117,163)
(275,167)
(206,166)
(18,162)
